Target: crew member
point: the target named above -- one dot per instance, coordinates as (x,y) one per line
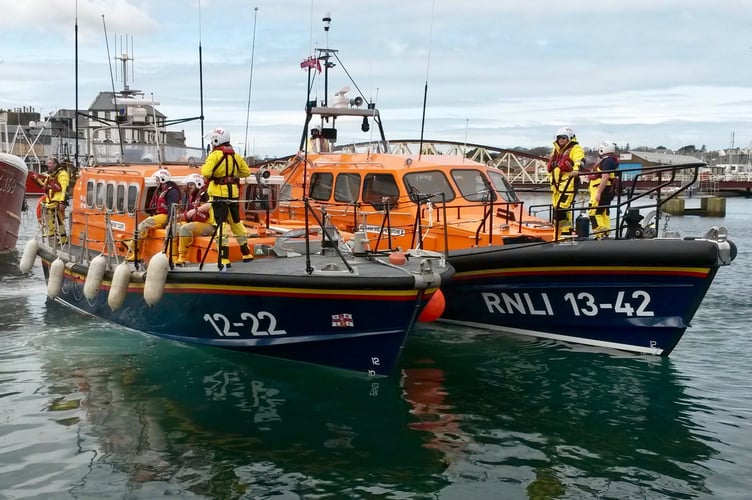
(567,157)
(317,143)
(55,199)
(196,217)
(224,168)
(602,188)
(165,196)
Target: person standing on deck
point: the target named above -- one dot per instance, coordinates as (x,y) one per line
(567,157)
(317,143)
(224,168)
(55,184)
(602,188)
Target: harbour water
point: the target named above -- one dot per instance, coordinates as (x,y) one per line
(90,410)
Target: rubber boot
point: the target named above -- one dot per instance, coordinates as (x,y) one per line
(247,255)
(183,244)
(133,249)
(224,255)
(224,248)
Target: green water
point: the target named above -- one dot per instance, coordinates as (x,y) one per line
(88,410)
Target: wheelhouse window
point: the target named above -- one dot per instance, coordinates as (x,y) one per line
(109,198)
(472,185)
(259,197)
(120,199)
(321,186)
(99,199)
(378,188)
(346,188)
(429,183)
(502,187)
(90,187)
(132,198)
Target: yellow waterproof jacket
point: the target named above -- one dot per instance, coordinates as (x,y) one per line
(571,150)
(63,179)
(224,168)
(566,159)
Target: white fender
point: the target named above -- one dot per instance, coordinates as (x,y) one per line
(119,287)
(55,280)
(156,275)
(94,276)
(29,255)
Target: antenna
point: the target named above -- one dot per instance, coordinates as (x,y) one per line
(327,20)
(425,90)
(201,78)
(114,94)
(75,115)
(250,83)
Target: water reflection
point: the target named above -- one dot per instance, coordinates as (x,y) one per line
(166,417)
(558,421)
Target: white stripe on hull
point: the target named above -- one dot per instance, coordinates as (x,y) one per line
(554,336)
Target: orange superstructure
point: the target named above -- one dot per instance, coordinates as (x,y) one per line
(408,201)
(108,202)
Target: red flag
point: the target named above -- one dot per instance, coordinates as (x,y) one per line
(311,62)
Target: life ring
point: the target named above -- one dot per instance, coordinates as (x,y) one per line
(40,203)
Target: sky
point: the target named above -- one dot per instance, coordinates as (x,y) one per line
(501,73)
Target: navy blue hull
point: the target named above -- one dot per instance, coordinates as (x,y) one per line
(632,295)
(342,329)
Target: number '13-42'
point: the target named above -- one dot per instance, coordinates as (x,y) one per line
(585,304)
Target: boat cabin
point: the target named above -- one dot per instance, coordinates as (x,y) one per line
(109,202)
(412,196)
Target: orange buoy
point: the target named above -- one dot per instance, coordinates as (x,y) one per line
(397,258)
(434,309)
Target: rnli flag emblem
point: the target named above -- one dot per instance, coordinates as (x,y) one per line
(342,320)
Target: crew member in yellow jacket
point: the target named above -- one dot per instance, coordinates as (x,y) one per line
(223,169)
(55,184)
(567,157)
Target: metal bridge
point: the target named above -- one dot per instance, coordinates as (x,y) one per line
(519,167)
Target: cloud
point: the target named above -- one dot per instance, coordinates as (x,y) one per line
(501,72)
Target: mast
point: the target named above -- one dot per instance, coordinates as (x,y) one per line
(75,114)
(201,78)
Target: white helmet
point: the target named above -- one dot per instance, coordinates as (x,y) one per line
(606,148)
(219,136)
(161,176)
(196,179)
(566,132)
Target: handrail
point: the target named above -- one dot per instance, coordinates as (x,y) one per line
(632,183)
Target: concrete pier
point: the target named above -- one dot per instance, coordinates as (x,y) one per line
(710,206)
